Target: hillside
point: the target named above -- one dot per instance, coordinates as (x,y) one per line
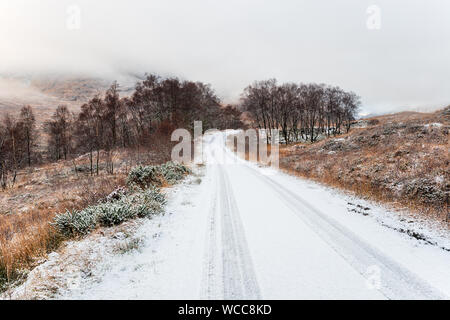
(399,158)
(45,92)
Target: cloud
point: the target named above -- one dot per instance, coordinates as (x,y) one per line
(231,43)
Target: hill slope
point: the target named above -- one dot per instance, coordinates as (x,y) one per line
(400,158)
(45,92)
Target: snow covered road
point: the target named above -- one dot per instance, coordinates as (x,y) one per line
(245,234)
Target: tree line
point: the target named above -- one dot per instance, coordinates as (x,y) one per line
(156,107)
(18,138)
(300,111)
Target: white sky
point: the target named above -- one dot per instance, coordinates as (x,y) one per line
(231,43)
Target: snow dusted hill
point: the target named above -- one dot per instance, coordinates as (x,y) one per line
(44,92)
(237,231)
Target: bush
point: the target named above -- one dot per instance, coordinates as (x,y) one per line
(144,176)
(122,204)
(141,204)
(76,222)
(173,172)
(111,214)
(117,194)
(148,202)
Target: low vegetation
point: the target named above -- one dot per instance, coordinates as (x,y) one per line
(145,176)
(27,210)
(139,204)
(26,237)
(141,199)
(401,159)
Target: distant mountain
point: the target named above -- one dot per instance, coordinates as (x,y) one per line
(45,92)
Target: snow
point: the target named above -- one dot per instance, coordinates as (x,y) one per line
(439,179)
(435,124)
(235,230)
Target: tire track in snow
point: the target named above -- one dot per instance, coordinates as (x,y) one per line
(397,282)
(228,268)
(239,279)
(211,283)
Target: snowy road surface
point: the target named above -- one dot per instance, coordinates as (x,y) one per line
(244,234)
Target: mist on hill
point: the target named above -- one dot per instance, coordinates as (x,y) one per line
(401,64)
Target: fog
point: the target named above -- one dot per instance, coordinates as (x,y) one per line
(396,58)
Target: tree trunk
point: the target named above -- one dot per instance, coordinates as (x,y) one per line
(28,149)
(90,159)
(98,158)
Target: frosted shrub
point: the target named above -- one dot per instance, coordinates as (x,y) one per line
(144,176)
(153,194)
(113,213)
(148,202)
(143,203)
(142,199)
(76,222)
(118,193)
(173,172)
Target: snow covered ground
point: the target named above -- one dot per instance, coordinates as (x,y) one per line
(238,231)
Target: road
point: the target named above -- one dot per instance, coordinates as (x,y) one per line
(251,233)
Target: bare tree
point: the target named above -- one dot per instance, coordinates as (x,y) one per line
(112,105)
(230,118)
(351,103)
(85,132)
(3,155)
(98,114)
(59,129)
(10,153)
(28,125)
(305,110)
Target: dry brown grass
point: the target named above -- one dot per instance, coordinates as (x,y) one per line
(400,159)
(27,236)
(23,238)
(27,209)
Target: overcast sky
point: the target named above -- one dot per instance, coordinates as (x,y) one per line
(402,60)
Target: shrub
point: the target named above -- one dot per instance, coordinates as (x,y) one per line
(122,204)
(173,172)
(138,205)
(76,222)
(117,194)
(113,213)
(141,204)
(144,176)
(147,202)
